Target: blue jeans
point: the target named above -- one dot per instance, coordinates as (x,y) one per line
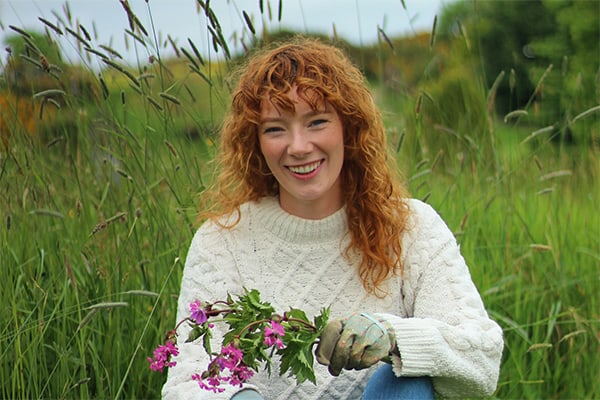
(384,385)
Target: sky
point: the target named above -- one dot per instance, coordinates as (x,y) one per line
(355,20)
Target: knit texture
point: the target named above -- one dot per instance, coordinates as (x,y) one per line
(441,326)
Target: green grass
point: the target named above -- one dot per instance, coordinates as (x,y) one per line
(531,239)
(98,209)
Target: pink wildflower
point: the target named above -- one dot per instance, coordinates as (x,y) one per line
(273,334)
(211,383)
(240,375)
(227,367)
(162,357)
(230,357)
(197,312)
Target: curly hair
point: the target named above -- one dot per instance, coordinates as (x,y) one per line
(372,192)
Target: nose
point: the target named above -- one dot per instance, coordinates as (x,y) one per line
(300,143)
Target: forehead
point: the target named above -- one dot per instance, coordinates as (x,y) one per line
(278,102)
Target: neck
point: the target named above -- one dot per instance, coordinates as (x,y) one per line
(289,227)
(310,209)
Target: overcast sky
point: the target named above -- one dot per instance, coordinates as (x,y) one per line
(354,20)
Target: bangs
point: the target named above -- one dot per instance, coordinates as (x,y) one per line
(286,72)
(312,71)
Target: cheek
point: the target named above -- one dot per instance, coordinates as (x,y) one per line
(263,146)
(338,143)
(269,151)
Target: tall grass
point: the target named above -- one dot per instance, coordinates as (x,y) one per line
(98,209)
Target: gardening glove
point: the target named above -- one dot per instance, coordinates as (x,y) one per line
(356,342)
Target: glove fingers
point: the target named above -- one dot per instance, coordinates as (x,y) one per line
(368,348)
(341,353)
(354,343)
(328,341)
(376,352)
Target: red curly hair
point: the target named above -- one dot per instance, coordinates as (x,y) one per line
(372,192)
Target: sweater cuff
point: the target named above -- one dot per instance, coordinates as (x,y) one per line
(414,340)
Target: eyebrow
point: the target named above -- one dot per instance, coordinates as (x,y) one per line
(305,115)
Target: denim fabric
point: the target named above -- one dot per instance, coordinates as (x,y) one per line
(384,385)
(247,395)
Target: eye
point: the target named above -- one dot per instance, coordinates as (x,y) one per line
(317,122)
(272,129)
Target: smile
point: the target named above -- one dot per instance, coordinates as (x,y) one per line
(305,169)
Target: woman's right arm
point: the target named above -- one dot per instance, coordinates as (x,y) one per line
(209,274)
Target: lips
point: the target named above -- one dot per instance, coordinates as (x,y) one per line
(306,168)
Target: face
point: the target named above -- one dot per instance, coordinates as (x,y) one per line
(304,150)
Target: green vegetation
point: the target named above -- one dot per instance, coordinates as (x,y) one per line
(101,181)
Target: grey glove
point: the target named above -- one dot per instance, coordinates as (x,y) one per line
(356,342)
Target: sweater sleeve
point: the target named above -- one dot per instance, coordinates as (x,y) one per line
(206,279)
(448,334)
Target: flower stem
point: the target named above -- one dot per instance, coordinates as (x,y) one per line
(302,322)
(250,325)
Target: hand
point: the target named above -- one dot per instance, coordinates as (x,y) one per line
(356,342)
(247,394)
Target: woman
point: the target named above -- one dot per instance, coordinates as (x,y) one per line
(307,209)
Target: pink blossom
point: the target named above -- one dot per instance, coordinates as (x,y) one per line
(197,312)
(212,383)
(240,375)
(227,367)
(162,356)
(274,341)
(230,357)
(274,329)
(273,334)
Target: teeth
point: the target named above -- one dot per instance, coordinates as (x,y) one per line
(305,169)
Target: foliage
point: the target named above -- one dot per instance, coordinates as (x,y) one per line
(35,71)
(571,85)
(550,58)
(12,110)
(33,60)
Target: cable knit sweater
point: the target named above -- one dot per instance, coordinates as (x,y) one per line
(442,329)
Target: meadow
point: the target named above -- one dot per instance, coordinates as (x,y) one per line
(98,205)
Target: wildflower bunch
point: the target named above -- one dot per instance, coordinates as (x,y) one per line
(256,333)
(227,367)
(162,356)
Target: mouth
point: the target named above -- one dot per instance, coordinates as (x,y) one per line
(306,168)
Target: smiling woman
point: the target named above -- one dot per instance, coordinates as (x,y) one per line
(308,211)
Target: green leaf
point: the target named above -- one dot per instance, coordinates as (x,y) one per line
(206,341)
(253,298)
(194,334)
(298,314)
(321,319)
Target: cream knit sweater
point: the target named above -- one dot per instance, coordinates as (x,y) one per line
(442,329)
